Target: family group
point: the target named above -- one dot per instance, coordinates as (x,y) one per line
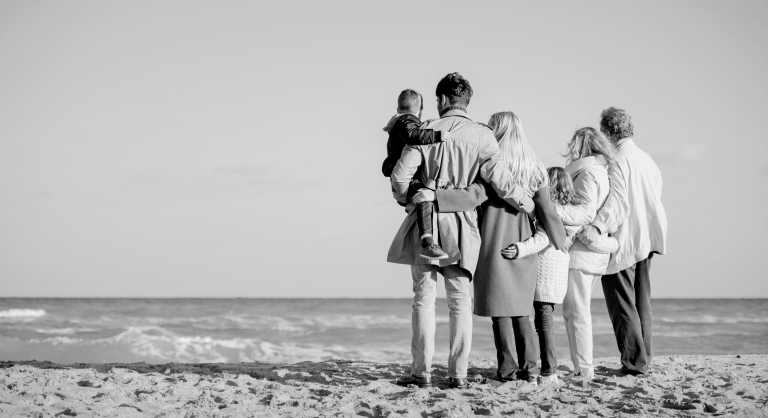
(483,211)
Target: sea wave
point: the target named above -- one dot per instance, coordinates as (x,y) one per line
(283,324)
(712,319)
(22,313)
(161,345)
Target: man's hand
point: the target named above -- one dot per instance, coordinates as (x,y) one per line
(424,195)
(510,253)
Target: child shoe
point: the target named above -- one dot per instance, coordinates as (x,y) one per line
(433,252)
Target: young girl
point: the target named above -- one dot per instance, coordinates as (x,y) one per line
(552,278)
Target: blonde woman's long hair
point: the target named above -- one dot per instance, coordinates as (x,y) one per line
(587,142)
(527,171)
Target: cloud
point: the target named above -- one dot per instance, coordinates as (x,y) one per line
(686,154)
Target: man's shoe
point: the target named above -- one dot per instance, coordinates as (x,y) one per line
(457,383)
(626,372)
(422,382)
(433,252)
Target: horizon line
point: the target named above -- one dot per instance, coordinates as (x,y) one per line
(321,298)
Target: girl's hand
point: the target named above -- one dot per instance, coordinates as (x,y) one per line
(510,253)
(424,195)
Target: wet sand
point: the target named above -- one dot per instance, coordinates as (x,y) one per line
(677,386)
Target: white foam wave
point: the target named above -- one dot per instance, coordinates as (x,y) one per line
(22,313)
(284,324)
(711,319)
(161,345)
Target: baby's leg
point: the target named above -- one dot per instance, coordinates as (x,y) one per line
(424,220)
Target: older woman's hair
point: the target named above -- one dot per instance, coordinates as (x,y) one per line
(527,171)
(616,123)
(561,189)
(588,142)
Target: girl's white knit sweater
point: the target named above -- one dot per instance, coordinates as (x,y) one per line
(552,279)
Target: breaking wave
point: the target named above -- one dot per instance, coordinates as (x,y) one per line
(22,313)
(161,345)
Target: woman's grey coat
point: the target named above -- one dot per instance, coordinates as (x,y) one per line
(503,287)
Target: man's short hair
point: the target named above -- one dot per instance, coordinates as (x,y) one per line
(616,123)
(456,88)
(409,100)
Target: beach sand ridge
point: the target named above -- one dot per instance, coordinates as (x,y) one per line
(677,386)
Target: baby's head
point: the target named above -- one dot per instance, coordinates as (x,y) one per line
(409,101)
(561,187)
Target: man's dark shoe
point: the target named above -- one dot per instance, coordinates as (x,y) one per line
(422,382)
(457,383)
(626,372)
(433,252)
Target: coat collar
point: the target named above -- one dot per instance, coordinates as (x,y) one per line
(579,165)
(455,111)
(625,142)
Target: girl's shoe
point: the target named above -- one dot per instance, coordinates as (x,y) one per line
(582,375)
(548,380)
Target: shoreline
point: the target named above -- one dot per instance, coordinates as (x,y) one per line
(680,385)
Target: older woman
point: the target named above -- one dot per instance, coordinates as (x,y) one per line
(504,285)
(589,156)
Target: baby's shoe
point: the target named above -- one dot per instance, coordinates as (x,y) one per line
(433,252)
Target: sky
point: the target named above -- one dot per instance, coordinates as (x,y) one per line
(233,148)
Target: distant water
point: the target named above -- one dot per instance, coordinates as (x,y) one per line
(293,330)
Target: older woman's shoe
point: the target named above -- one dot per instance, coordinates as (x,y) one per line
(422,382)
(457,383)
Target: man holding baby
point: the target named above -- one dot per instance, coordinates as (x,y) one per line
(469,151)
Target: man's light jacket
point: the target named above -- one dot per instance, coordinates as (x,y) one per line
(471,150)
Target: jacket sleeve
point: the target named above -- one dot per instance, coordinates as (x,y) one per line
(534,244)
(414,135)
(406,167)
(495,172)
(461,200)
(546,215)
(616,207)
(583,213)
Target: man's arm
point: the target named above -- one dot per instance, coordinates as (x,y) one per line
(616,207)
(461,200)
(406,167)
(494,171)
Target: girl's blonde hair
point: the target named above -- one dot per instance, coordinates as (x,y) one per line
(527,171)
(561,187)
(588,142)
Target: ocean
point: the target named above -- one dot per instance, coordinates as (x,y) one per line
(294,330)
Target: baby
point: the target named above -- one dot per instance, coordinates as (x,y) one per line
(404,130)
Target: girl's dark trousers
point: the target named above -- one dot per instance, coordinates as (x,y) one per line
(544,327)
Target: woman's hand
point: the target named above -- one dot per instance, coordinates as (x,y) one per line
(510,253)
(424,195)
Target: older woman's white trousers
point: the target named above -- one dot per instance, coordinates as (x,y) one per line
(423,318)
(578,319)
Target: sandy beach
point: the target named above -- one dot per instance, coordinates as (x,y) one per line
(678,386)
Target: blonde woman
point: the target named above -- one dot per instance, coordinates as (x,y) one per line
(504,285)
(589,156)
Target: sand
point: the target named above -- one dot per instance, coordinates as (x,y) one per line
(678,386)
